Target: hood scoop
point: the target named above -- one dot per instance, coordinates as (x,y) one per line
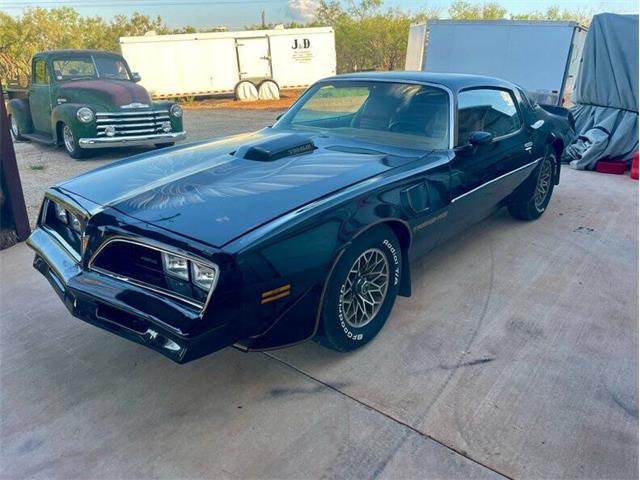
(276,147)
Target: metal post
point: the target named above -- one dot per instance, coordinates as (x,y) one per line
(14,222)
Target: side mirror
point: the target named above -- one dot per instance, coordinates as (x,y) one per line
(135,77)
(480,138)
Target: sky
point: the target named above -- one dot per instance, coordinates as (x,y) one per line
(235,14)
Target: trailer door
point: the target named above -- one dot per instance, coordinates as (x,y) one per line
(254,59)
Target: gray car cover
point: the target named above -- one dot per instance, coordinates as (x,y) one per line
(606,93)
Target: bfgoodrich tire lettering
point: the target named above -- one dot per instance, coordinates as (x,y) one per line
(361,291)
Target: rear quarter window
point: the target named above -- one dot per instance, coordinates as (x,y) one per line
(487,110)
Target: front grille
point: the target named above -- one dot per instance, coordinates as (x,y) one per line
(132,123)
(142,265)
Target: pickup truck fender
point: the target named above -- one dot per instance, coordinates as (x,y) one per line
(66,114)
(19,109)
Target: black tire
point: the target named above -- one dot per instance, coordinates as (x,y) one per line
(70,142)
(15,129)
(339,327)
(536,196)
(164,145)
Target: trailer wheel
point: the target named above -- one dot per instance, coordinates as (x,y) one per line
(268,90)
(246,91)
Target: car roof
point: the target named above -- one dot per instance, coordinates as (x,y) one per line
(454,81)
(72,52)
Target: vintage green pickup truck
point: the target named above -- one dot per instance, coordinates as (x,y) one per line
(86,99)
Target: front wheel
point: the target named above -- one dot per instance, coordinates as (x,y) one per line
(361,291)
(539,193)
(15,129)
(71,143)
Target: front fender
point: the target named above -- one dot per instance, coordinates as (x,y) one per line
(66,113)
(301,257)
(19,109)
(176,122)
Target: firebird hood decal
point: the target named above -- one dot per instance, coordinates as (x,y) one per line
(205,192)
(235,178)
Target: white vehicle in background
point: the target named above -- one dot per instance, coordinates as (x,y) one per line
(249,64)
(543,57)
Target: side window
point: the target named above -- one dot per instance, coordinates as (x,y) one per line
(40,72)
(486,110)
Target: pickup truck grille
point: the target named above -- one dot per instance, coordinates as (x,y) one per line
(132,123)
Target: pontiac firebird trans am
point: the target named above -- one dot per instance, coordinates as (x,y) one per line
(301,230)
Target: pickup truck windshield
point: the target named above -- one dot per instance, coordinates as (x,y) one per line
(397,114)
(83,68)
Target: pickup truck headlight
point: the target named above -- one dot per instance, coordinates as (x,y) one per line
(202,277)
(176,110)
(85,115)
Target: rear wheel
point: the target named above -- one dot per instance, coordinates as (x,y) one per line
(15,129)
(361,291)
(70,142)
(538,194)
(268,90)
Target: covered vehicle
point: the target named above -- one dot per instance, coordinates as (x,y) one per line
(606,93)
(301,230)
(86,99)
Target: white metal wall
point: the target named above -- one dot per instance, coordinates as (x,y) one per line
(531,55)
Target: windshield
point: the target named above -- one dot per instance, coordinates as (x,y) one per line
(397,114)
(96,66)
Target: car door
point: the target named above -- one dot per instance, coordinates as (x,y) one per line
(40,96)
(254,59)
(480,175)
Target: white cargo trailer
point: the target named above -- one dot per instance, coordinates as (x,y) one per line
(541,56)
(249,64)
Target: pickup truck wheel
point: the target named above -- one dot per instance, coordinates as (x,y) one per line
(361,291)
(15,129)
(70,143)
(539,194)
(164,145)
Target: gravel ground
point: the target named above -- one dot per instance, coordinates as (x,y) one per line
(43,166)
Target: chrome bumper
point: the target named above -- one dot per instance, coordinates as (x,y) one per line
(132,141)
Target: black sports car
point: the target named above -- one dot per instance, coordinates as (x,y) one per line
(301,230)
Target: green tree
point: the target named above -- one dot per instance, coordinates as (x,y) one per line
(462,10)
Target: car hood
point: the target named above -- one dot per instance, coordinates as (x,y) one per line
(208,192)
(107,93)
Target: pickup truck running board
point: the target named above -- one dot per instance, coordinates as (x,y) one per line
(39,137)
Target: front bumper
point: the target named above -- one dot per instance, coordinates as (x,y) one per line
(132,141)
(124,309)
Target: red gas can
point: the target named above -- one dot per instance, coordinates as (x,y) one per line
(634,166)
(616,167)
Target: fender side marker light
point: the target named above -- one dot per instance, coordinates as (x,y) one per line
(275,294)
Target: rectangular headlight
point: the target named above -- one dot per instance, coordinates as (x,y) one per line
(202,277)
(176,266)
(75,223)
(61,213)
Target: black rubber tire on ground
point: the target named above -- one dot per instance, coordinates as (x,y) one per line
(15,129)
(335,331)
(70,143)
(164,145)
(538,193)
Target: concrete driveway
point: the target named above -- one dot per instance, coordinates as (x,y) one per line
(517,355)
